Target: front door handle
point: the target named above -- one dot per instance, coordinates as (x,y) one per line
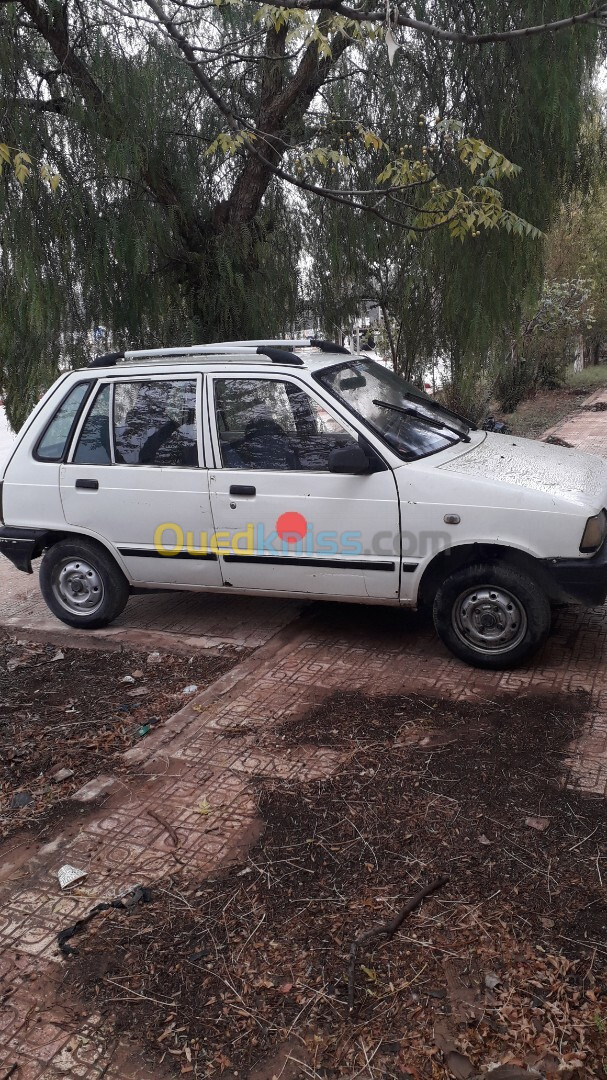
(88,485)
(242,489)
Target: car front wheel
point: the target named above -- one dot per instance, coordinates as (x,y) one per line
(491,615)
(82,584)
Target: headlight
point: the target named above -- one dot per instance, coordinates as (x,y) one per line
(594,533)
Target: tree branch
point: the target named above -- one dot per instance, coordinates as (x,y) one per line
(288,104)
(595,15)
(54,31)
(184,45)
(54,105)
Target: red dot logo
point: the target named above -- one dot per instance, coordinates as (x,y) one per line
(291,527)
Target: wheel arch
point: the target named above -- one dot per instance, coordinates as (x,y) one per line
(447,562)
(53,536)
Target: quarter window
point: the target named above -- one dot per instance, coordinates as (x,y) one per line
(271,424)
(94,443)
(54,441)
(155,423)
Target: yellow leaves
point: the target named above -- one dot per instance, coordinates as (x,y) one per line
(356,31)
(369,972)
(303,24)
(229,143)
(21,164)
(465,213)
(324,156)
(322,41)
(277,17)
(403,172)
(475,153)
(52,179)
(371,140)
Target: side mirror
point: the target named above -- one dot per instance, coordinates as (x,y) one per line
(348,459)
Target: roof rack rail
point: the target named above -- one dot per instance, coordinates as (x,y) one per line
(277,356)
(288,343)
(187,350)
(107,359)
(280,356)
(328,346)
(278,350)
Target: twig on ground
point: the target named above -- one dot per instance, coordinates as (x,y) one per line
(368,1060)
(587,944)
(388,928)
(144,997)
(580,842)
(165,825)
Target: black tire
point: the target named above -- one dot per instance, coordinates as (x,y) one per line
(492,615)
(82,584)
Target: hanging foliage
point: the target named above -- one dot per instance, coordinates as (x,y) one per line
(210,154)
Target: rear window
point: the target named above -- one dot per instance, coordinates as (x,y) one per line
(155,423)
(52,445)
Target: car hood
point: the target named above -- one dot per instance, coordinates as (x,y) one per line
(537,466)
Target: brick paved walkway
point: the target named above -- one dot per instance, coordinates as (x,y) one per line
(188,764)
(167,620)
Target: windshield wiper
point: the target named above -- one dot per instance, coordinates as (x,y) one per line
(407,410)
(430,404)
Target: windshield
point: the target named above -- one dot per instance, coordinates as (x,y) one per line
(394,408)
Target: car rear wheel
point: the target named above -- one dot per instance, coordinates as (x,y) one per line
(492,615)
(81,583)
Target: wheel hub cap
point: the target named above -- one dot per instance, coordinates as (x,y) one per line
(78,586)
(489,619)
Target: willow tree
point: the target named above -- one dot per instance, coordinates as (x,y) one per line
(460,301)
(198,149)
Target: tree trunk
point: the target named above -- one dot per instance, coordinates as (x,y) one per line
(389,335)
(578,362)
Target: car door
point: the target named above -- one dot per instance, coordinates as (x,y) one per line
(283,521)
(135,478)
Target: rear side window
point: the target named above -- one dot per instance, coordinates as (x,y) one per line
(54,441)
(155,423)
(94,443)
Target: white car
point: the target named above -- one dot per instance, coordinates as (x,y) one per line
(293,468)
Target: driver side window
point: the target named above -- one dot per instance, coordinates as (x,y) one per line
(274,424)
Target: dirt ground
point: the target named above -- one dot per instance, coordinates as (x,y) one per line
(247,973)
(544,410)
(67,715)
(548,407)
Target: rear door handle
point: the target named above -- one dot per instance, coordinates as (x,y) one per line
(242,489)
(88,485)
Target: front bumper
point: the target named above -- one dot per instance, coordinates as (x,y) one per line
(584,580)
(22,545)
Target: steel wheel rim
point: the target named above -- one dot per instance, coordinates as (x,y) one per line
(489,619)
(78,586)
